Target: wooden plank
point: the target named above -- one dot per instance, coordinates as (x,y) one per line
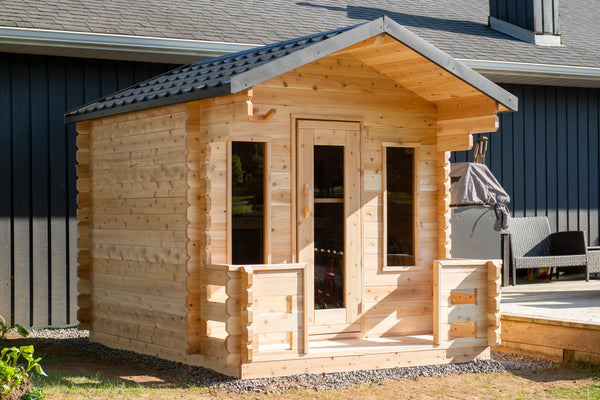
(21,191)
(455,143)
(153,140)
(152,173)
(6,309)
(362,361)
(138,158)
(270,284)
(40,196)
(257,130)
(169,272)
(465,108)
(338,100)
(463,329)
(171,188)
(539,333)
(173,239)
(152,254)
(135,315)
(140,300)
(144,206)
(140,126)
(278,322)
(173,222)
(128,284)
(457,297)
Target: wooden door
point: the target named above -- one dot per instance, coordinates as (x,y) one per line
(329,223)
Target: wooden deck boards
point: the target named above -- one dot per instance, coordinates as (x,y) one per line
(574,301)
(558,320)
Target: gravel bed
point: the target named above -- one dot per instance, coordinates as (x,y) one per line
(206,378)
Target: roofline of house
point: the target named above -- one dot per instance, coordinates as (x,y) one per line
(122,43)
(550,71)
(146,46)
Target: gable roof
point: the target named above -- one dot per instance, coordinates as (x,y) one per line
(236,72)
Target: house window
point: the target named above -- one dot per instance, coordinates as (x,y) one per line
(399,206)
(247,202)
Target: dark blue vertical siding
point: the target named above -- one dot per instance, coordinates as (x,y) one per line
(38,236)
(546,156)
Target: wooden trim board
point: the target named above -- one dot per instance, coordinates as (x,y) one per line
(550,338)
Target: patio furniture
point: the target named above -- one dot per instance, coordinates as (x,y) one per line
(534,246)
(594,260)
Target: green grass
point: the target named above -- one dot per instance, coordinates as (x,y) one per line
(70,381)
(587,392)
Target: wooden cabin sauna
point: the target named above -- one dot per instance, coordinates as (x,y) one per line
(285,209)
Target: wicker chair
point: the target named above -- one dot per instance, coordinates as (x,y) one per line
(533,246)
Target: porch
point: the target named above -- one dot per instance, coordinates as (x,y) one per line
(254,317)
(557,320)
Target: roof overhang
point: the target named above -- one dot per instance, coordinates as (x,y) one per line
(536,74)
(375,30)
(381,44)
(115,47)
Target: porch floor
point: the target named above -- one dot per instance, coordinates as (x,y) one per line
(340,355)
(558,320)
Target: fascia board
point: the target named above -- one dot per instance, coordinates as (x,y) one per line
(121,43)
(532,69)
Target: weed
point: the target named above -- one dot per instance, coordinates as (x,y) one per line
(16,365)
(5,328)
(34,394)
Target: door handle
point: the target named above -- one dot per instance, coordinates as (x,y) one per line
(307,200)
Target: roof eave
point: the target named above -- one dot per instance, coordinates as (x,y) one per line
(220,91)
(56,42)
(553,74)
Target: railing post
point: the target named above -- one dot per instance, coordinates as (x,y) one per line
(246,300)
(232,326)
(494,285)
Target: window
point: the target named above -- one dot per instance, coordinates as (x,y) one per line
(247,202)
(399,207)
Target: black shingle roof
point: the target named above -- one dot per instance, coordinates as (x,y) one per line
(198,80)
(236,72)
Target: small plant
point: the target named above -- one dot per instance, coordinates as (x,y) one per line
(5,328)
(16,365)
(34,394)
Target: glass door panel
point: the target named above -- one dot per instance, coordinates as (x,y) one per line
(328,219)
(329,227)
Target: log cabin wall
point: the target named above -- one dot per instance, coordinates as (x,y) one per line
(395,301)
(133,237)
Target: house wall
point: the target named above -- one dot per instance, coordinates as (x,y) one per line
(38,235)
(546,156)
(395,302)
(133,220)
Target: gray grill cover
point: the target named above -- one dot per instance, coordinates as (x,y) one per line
(474,184)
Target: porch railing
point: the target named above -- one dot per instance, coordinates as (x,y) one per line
(255,310)
(467,302)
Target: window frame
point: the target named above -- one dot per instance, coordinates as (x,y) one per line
(384,239)
(266,196)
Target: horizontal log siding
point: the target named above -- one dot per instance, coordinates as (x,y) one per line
(546,156)
(38,233)
(138,274)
